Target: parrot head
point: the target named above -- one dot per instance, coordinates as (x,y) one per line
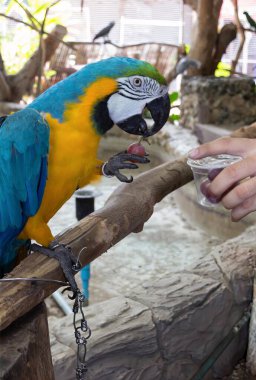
(135,94)
(135,86)
(139,87)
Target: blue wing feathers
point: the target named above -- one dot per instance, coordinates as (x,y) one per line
(43,178)
(24,144)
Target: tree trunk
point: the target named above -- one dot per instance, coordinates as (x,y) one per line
(241,33)
(226,35)
(192,3)
(13,87)
(25,348)
(209,45)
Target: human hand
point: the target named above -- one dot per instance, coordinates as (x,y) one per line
(234,186)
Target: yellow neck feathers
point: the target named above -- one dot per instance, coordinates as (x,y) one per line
(84,108)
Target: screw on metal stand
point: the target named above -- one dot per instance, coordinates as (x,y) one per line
(84,206)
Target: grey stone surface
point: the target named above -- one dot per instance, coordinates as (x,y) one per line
(169,304)
(229,102)
(123,344)
(166,329)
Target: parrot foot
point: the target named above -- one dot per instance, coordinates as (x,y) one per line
(119,161)
(68,262)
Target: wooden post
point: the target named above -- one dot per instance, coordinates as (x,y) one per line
(25,348)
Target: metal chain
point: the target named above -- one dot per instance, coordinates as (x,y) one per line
(80,327)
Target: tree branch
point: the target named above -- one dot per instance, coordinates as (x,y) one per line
(126,211)
(225,36)
(19,21)
(37,30)
(241,32)
(29,15)
(5,93)
(2,67)
(249,30)
(41,55)
(42,50)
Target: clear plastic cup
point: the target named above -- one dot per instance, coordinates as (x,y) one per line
(205,170)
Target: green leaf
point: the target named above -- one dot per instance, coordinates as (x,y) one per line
(174,96)
(50,73)
(174,117)
(187,48)
(40,9)
(9,6)
(223,70)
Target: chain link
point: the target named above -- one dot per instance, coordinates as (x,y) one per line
(82,334)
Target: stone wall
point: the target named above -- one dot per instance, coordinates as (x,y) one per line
(229,102)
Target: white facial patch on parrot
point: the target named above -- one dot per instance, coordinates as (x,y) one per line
(132,96)
(121,108)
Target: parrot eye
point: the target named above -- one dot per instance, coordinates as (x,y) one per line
(137,82)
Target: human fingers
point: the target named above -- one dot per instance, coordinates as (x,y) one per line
(239,194)
(231,175)
(245,208)
(204,188)
(224,145)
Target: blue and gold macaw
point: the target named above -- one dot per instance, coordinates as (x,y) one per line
(49,149)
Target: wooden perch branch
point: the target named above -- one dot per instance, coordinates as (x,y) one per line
(126,211)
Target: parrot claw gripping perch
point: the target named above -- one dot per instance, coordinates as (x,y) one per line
(68,262)
(119,161)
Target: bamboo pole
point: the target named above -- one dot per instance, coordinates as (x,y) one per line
(126,211)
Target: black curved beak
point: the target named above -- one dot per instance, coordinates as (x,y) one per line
(136,125)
